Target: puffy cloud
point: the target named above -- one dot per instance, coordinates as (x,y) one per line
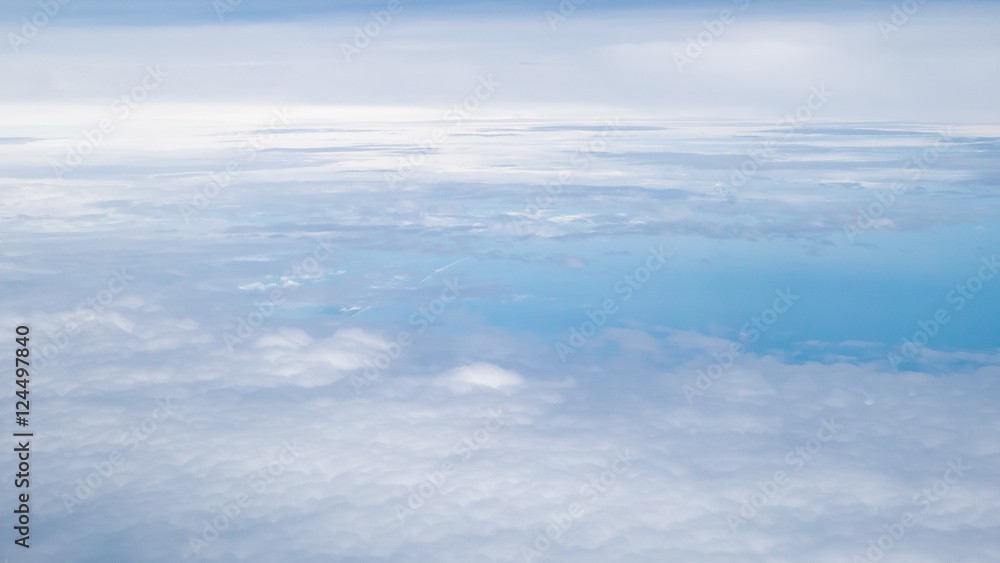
(468,378)
(420,465)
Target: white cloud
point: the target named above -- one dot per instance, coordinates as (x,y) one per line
(469,378)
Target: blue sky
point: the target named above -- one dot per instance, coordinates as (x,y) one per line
(192,12)
(403,304)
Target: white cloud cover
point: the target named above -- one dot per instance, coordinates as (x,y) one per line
(940,67)
(472,441)
(352,459)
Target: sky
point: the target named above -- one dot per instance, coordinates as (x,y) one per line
(494,282)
